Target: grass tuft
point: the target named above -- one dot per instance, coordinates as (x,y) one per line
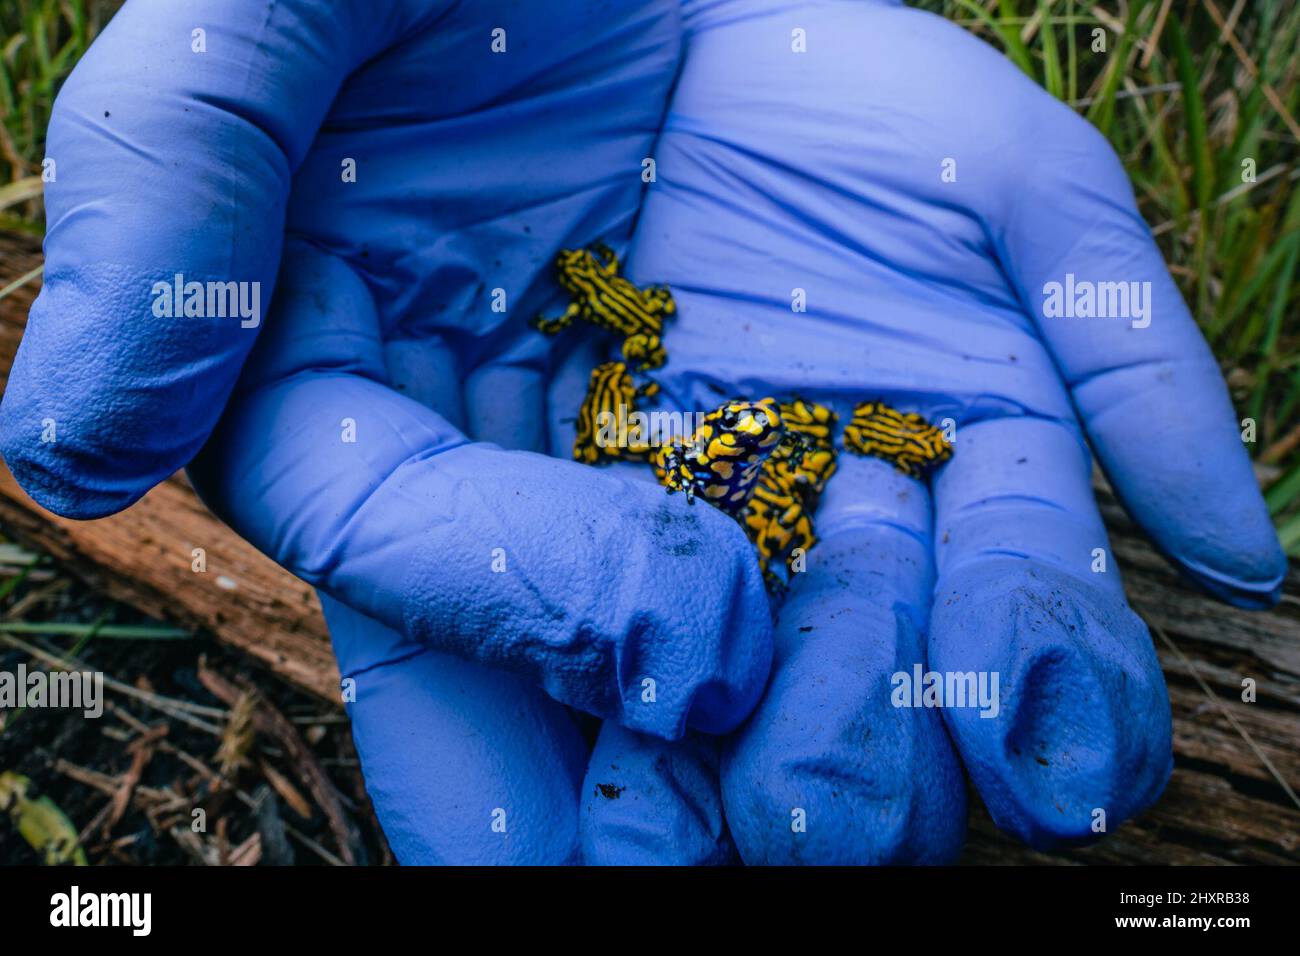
(1200,99)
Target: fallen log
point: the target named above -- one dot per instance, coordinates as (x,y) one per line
(1228,800)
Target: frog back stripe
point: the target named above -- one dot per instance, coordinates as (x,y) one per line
(625,297)
(778,515)
(618,302)
(905,439)
(809,419)
(609,386)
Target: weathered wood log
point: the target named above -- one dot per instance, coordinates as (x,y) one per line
(1223,805)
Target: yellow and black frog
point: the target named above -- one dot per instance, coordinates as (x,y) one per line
(904,439)
(720,462)
(778,516)
(609,301)
(608,428)
(764,463)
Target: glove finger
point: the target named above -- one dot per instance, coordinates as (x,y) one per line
(465,765)
(652,802)
(174,173)
(528,397)
(1029,604)
(1146,386)
(829,769)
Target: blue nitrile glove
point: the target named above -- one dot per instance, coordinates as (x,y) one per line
(405,188)
(826,759)
(820,176)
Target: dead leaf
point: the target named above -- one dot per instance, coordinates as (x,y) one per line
(40,822)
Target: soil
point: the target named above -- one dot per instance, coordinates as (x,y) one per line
(41,743)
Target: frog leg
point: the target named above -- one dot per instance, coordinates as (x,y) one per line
(645,350)
(558,324)
(659,300)
(670,462)
(649,388)
(674,459)
(688,487)
(797,444)
(773,582)
(636,447)
(610,258)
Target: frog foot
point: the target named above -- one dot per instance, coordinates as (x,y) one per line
(647,389)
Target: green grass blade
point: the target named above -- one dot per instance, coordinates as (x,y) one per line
(1071,55)
(11,584)
(1281,293)
(140,632)
(21,281)
(1198,145)
(1289,534)
(1053,78)
(1264,271)
(1012,45)
(1284,491)
(1198,140)
(1170,173)
(20,191)
(1016,47)
(1102,111)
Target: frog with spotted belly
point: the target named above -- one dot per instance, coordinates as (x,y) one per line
(764,463)
(607,300)
(721,461)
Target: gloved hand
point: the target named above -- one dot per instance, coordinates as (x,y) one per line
(403,178)
(805,158)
